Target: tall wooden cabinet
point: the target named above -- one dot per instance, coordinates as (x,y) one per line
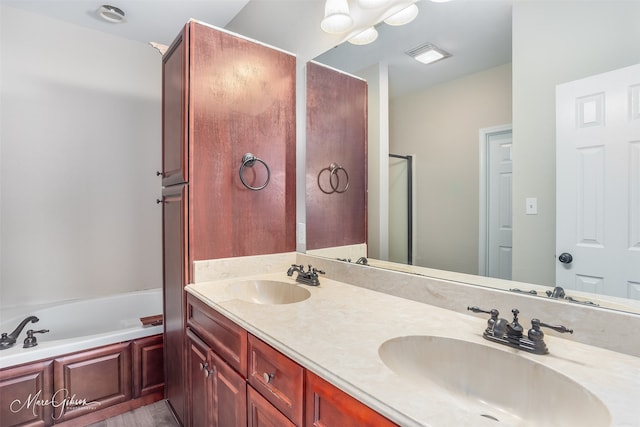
(223,96)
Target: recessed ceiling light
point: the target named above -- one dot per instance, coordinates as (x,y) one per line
(428,53)
(111,13)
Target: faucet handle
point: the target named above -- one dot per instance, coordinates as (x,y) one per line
(316,271)
(559,328)
(492,320)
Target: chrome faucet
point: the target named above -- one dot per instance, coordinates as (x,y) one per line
(8,340)
(309,277)
(557,292)
(362,260)
(511,334)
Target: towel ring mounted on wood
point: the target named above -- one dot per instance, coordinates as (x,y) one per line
(249,160)
(334,169)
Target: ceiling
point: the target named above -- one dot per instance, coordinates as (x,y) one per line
(476,32)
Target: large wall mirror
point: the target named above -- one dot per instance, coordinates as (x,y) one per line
(525,49)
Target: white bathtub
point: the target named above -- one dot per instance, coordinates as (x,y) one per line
(82,324)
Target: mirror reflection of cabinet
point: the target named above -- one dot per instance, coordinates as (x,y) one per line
(336,203)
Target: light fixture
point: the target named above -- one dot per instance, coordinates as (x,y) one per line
(365,37)
(404,16)
(338,20)
(336,17)
(111,13)
(428,53)
(372,4)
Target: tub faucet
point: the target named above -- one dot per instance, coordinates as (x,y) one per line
(8,340)
(309,277)
(362,260)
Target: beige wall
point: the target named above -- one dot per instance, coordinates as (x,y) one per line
(80,144)
(553,43)
(440,127)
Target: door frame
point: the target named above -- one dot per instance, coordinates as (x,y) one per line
(485,135)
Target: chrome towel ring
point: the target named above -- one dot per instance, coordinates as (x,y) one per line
(248,160)
(334,179)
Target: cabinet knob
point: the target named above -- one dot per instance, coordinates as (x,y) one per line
(158,173)
(267,377)
(205,367)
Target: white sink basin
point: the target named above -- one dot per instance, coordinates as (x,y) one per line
(497,385)
(268,292)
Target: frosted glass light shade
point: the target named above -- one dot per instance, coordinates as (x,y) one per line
(367,36)
(371,4)
(336,17)
(404,16)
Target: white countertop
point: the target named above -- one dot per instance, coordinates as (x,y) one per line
(336,333)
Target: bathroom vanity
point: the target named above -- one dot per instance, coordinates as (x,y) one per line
(405,362)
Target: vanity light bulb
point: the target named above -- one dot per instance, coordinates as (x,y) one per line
(336,17)
(372,4)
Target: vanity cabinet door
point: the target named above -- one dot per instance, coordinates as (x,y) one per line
(18,386)
(328,406)
(261,413)
(199,393)
(217,394)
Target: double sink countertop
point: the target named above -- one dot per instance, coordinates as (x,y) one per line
(337,333)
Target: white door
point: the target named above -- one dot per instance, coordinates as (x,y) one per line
(500,223)
(598,183)
(496,228)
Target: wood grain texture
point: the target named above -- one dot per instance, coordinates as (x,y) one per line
(328,406)
(242,100)
(23,383)
(336,133)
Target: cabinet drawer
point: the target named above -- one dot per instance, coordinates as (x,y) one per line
(261,413)
(278,378)
(224,337)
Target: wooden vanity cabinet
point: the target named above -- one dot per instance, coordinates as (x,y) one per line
(328,406)
(24,383)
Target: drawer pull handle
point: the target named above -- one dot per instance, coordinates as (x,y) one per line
(267,377)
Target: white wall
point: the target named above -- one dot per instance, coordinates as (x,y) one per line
(80,144)
(440,126)
(553,43)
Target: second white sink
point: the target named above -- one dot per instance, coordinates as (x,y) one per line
(268,292)
(494,384)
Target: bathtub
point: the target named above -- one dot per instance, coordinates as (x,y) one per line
(81,324)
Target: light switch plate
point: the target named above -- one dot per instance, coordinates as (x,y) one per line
(532,206)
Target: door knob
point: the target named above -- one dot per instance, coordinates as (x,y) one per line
(565,258)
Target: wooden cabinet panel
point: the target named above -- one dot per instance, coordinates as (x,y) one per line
(223,336)
(148,365)
(217,393)
(328,406)
(20,388)
(174,216)
(92,380)
(230,391)
(261,413)
(175,153)
(241,100)
(336,133)
(279,379)
(199,386)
